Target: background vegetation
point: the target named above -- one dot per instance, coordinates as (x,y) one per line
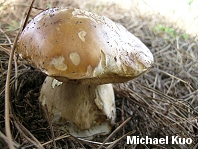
(162,102)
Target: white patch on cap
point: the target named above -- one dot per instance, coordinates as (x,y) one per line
(75,58)
(89,71)
(82,35)
(58,63)
(57,29)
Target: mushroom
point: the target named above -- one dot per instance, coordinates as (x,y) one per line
(82,52)
(90,107)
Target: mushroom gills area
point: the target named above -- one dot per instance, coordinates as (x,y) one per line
(81,110)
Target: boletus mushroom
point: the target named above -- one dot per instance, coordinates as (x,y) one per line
(81,52)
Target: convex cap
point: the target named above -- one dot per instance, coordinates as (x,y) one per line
(73,44)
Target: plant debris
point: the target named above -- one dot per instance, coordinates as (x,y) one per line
(162,102)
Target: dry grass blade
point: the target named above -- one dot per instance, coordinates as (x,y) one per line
(7,98)
(6,140)
(196,146)
(7,91)
(162,102)
(113,133)
(94,142)
(50,124)
(118,140)
(28,135)
(176,116)
(174,77)
(56,139)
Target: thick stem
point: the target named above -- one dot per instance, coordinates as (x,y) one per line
(83,105)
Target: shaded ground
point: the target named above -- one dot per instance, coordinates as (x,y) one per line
(161,103)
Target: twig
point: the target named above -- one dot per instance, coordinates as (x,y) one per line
(116,141)
(7,89)
(80,142)
(50,124)
(10,43)
(114,132)
(7,51)
(94,142)
(28,14)
(6,139)
(56,139)
(174,77)
(7,96)
(195,147)
(22,129)
(15,59)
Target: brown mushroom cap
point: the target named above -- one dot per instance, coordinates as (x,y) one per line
(72,44)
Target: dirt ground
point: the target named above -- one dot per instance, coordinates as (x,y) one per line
(162,102)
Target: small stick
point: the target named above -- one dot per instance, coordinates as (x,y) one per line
(6,139)
(50,124)
(28,135)
(56,139)
(7,96)
(116,141)
(114,132)
(7,87)
(24,135)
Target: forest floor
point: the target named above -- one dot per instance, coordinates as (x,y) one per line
(162,102)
